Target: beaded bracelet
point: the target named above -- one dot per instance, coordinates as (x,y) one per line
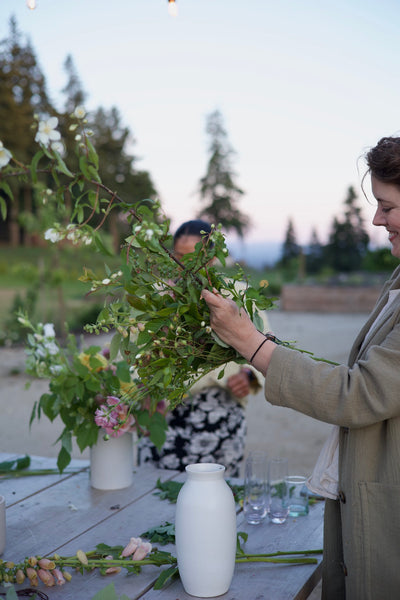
(268,336)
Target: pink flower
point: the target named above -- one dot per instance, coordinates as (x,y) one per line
(114,417)
(59,577)
(32,576)
(142,551)
(131,546)
(46,577)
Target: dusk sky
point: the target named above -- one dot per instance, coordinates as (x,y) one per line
(304,89)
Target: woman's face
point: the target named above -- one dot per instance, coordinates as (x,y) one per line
(388,211)
(185,244)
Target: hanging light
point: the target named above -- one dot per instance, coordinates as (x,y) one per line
(31,4)
(172,8)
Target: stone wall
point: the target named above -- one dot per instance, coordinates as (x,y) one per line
(328,299)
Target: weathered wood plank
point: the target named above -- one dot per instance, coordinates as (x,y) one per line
(69,508)
(115,529)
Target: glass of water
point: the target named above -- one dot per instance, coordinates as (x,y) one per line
(277,490)
(255,503)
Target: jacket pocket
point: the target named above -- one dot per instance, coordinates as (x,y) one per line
(380,558)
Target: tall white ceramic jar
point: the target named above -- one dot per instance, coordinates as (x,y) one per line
(205,531)
(111,462)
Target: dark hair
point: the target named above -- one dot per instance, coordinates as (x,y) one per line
(194,227)
(383,160)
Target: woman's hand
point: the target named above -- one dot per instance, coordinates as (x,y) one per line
(239,384)
(232,325)
(235,328)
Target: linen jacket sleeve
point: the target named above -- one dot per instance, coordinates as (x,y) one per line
(360,394)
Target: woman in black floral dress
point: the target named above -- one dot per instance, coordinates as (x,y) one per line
(211,425)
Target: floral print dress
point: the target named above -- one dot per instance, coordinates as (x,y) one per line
(208,427)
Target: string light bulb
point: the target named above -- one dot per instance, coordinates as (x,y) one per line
(172,8)
(31,4)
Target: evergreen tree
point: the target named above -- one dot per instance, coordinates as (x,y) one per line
(291,248)
(22,94)
(314,254)
(217,187)
(73,90)
(348,240)
(117,165)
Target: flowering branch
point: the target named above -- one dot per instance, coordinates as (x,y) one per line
(112,559)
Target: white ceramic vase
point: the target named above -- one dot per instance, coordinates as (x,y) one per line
(111,462)
(205,531)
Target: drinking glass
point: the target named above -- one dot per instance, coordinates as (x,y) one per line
(255,502)
(277,490)
(297,495)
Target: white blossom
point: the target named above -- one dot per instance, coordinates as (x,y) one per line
(106,281)
(80,112)
(48,330)
(52,235)
(51,348)
(5,156)
(46,132)
(148,234)
(57,147)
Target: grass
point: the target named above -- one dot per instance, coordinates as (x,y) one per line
(53,275)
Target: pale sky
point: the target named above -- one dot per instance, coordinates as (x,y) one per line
(304,88)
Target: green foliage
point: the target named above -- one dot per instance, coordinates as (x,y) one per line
(109,593)
(11,466)
(163,324)
(380,260)
(83,384)
(12,331)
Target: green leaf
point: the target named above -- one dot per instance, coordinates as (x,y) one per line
(34,165)
(157,435)
(3,208)
(166,575)
(15,465)
(63,459)
(109,593)
(169,490)
(6,188)
(93,157)
(100,245)
(61,165)
(11,594)
(161,534)
(114,346)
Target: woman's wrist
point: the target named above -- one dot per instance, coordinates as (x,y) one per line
(261,355)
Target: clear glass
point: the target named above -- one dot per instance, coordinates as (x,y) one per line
(297,495)
(277,490)
(255,503)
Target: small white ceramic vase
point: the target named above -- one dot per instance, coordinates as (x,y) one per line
(205,531)
(111,462)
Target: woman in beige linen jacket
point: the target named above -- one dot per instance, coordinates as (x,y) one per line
(362,526)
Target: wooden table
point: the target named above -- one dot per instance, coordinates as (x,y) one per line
(62,513)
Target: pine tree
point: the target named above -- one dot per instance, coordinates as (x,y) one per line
(217,187)
(117,165)
(314,254)
(291,248)
(348,240)
(22,94)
